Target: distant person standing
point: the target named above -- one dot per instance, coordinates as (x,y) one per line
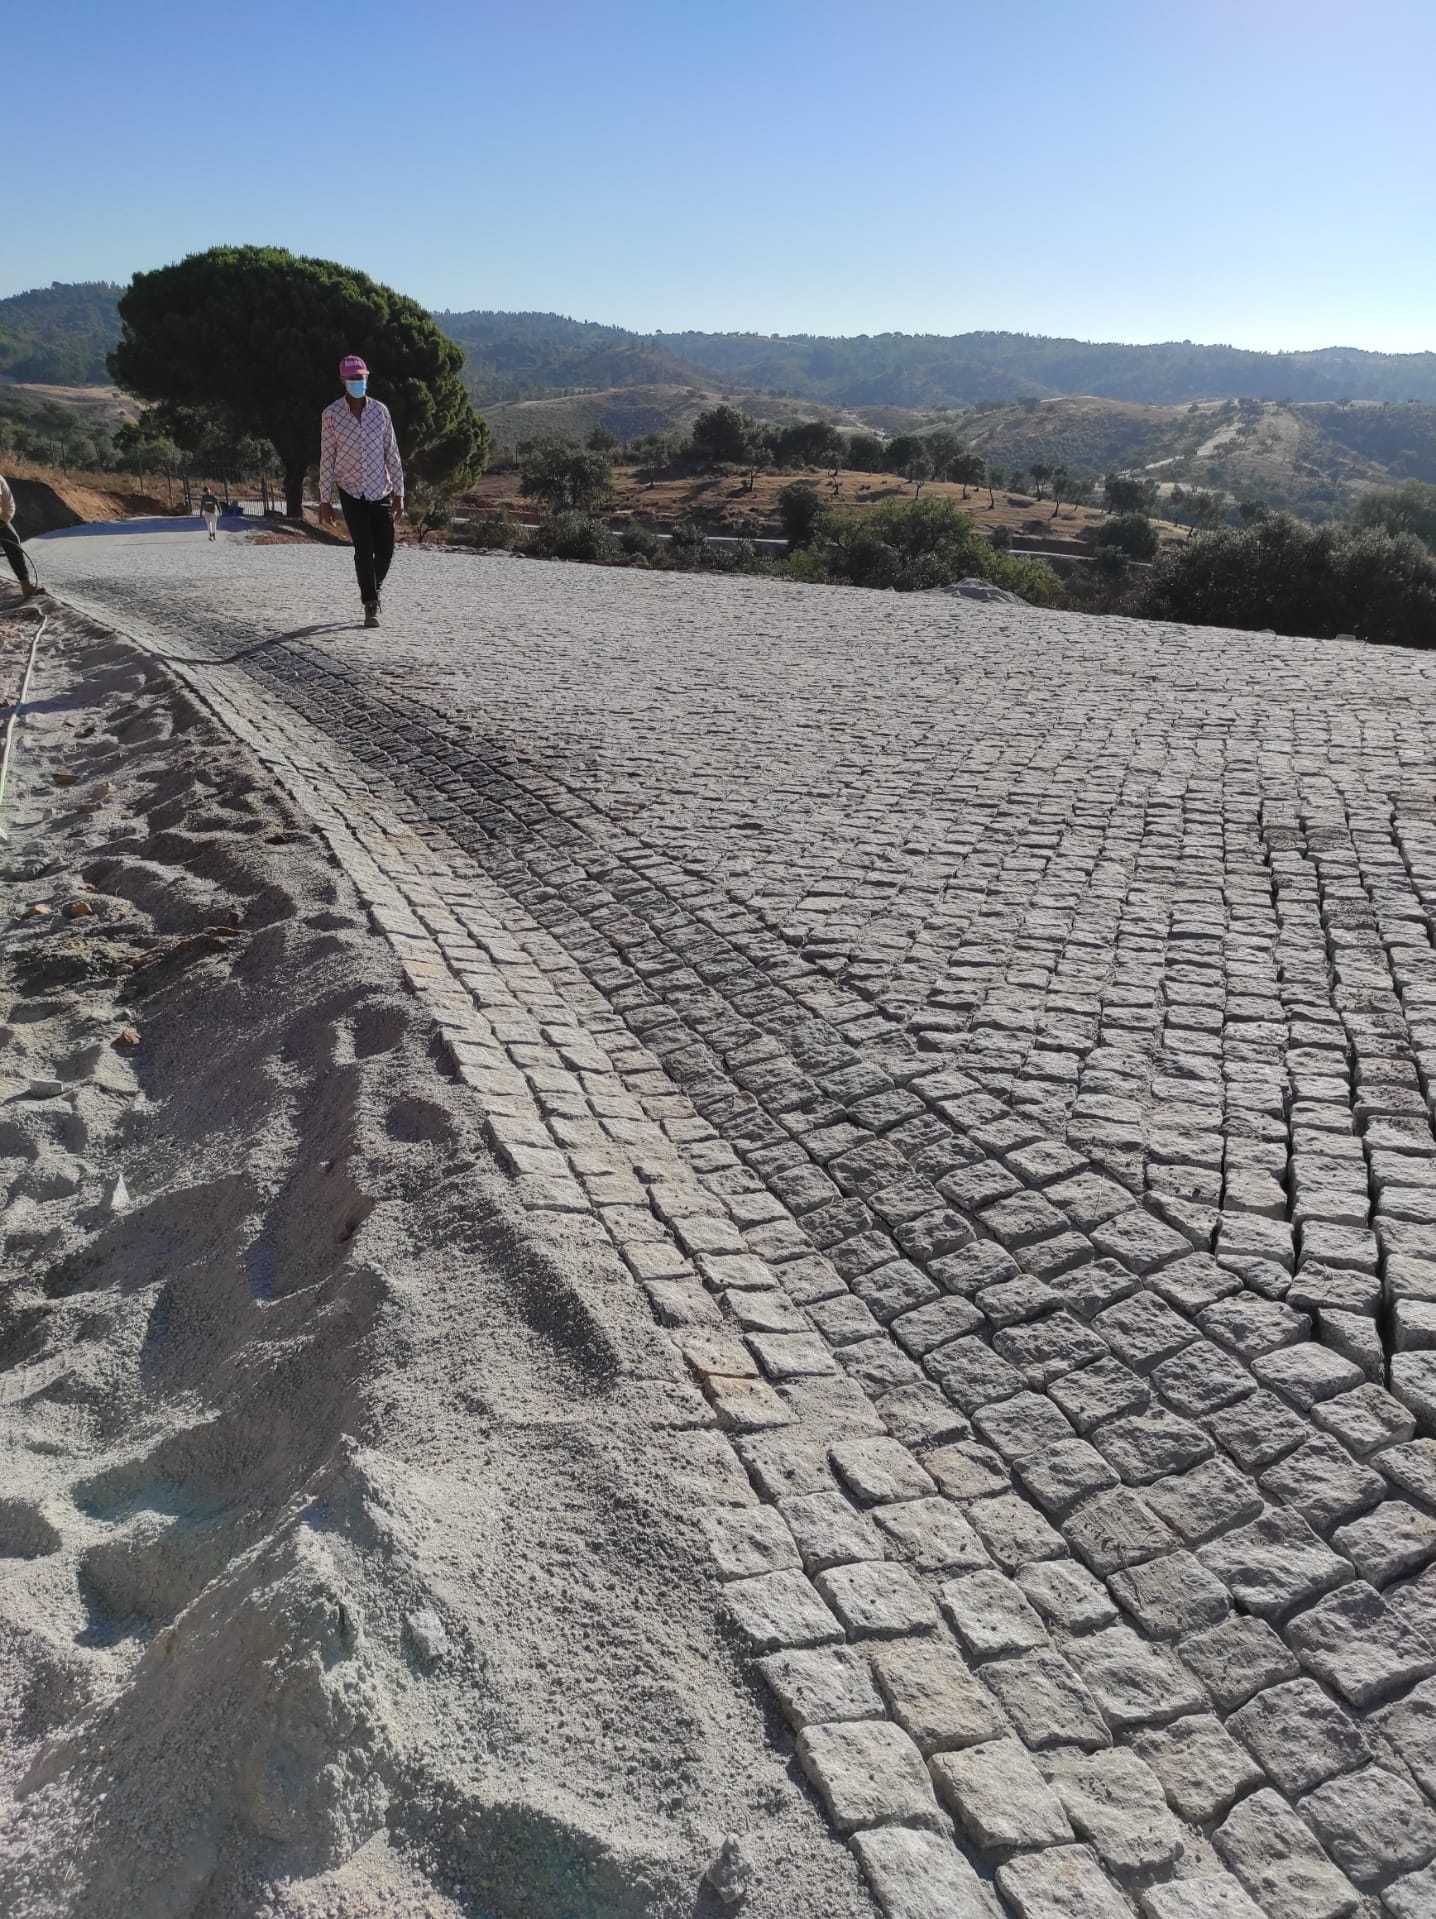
(359,454)
(10,540)
(209,510)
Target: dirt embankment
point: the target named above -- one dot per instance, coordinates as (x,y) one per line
(337,1580)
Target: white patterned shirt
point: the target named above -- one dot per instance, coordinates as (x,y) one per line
(359,451)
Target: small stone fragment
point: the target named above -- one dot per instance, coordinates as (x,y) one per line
(426,1634)
(731,1873)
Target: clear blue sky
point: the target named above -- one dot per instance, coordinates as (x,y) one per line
(1254,171)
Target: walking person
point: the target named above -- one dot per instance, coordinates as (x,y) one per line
(359,454)
(10,540)
(209,511)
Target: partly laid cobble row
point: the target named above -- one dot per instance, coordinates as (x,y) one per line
(1088,1558)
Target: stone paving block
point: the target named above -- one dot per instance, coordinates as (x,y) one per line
(972,1375)
(920,1416)
(1135,1684)
(1060,1476)
(1142,1330)
(1208,1499)
(1394,1539)
(1012,1301)
(1279,1860)
(875,1599)
(1323,1483)
(1325,1289)
(827,1531)
(1019,1427)
(1088,1199)
(1050,1259)
(877,1471)
(1306,1374)
(1013,1532)
(1170,1596)
(1373,1823)
(1204,1898)
(1046,1702)
(780,1610)
(936,1324)
(1364,1419)
(1413,1381)
(920,1875)
(1140,1242)
(829,1684)
(1238,1659)
(1202,1768)
(1411,1467)
(1299,1735)
(933,1695)
(998,1799)
(842,1320)
(1066,1595)
(1152,1445)
(1091,1285)
(1117,1804)
(1411,1897)
(745,1541)
(931,1535)
(1100,1392)
(1410,1725)
(1116,1529)
(1047,1348)
(1258,1430)
(878,1365)
(967,1471)
(893,1289)
(792,1355)
(1275,1564)
(1063,1882)
(868,1773)
(746,1405)
(991,1616)
(934,1234)
(1360,1647)
(975,1267)
(785,1463)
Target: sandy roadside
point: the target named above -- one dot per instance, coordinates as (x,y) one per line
(342,1570)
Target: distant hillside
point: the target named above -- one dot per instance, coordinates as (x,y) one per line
(1315,459)
(629,412)
(59,335)
(520,355)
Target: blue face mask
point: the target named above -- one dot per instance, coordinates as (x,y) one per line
(356,389)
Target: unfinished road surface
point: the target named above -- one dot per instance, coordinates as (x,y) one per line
(1000,1045)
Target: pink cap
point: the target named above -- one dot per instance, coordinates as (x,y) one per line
(351,367)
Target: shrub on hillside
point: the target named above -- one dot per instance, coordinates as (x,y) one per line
(573,536)
(638,543)
(1131,534)
(800,509)
(1403,509)
(492,535)
(1299,579)
(913,545)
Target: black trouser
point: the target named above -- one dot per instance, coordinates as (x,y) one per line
(10,540)
(371,528)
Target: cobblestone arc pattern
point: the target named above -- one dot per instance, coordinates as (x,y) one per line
(1091,1516)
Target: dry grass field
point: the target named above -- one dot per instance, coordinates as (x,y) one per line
(721,502)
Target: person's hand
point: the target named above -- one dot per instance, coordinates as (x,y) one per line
(326,515)
(396,506)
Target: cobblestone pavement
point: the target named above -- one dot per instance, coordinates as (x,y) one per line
(1000,1044)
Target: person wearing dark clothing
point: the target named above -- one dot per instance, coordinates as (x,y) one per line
(359,458)
(10,541)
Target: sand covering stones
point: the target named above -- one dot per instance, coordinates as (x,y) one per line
(341,1570)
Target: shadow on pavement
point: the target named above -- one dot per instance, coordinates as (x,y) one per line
(259,646)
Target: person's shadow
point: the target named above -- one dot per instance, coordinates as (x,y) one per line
(259,646)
